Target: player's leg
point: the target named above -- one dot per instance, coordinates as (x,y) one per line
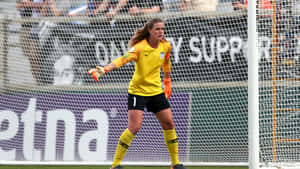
(166,121)
(135,118)
(161,108)
(167,124)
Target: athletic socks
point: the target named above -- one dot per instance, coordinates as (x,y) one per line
(126,138)
(122,147)
(172,145)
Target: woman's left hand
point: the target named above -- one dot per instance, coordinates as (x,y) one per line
(167,90)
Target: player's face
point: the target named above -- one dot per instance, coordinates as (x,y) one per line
(157,31)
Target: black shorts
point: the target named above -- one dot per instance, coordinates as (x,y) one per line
(152,103)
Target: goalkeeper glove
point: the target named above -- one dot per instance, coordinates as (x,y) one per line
(98,72)
(167,90)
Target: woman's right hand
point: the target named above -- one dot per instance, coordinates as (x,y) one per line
(97,72)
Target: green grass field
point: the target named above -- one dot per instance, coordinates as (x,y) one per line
(103,167)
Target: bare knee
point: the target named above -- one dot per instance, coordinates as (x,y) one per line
(135,118)
(134,129)
(167,125)
(165,118)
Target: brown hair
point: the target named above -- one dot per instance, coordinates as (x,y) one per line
(143,33)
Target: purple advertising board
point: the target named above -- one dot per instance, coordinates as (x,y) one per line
(82,127)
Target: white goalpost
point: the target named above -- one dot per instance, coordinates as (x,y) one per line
(253,88)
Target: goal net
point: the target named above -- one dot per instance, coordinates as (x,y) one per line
(279,103)
(52,111)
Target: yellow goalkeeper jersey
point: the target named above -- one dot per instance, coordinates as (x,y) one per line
(148,61)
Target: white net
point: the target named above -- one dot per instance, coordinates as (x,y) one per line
(52,110)
(279,101)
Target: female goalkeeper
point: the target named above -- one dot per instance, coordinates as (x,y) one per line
(150,51)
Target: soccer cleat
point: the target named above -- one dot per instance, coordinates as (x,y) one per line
(178,166)
(117,167)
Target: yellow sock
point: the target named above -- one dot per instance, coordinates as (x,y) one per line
(172,145)
(122,147)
